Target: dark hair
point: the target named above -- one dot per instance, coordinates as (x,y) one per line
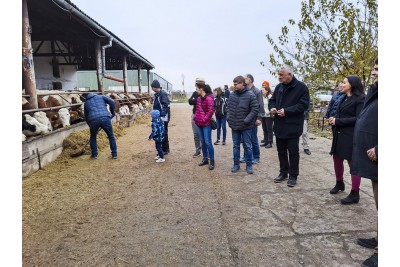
(239,79)
(219,91)
(207,89)
(201,85)
(226,86)
(357,87)
(249,76)
(376,61)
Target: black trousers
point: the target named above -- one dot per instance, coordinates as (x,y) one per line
(165,143)
(267,129)
(288,165)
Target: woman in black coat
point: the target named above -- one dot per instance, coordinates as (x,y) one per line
(349,107)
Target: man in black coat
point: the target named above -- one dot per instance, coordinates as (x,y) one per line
(288,103)
(365,152)
(193,101)
(241,117)
(162,104)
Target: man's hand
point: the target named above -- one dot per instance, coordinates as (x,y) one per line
(273,111)
(281,112)
(258,122)
(331,120)
(371,154)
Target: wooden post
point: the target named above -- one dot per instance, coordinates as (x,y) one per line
(28,70)
(148,81)
(125,73)
(140,77)
(99,66)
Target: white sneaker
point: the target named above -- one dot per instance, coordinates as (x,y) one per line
(160,160)
(156,158)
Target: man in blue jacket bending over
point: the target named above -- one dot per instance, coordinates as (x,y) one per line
(97,116)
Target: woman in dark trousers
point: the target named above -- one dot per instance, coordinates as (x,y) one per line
(220,103)
(267,121)
(349,106)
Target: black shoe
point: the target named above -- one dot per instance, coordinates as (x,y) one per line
(280,178)
(292,181)
(212,165)
(203,162)
(262,141)
(307,151)
(368,242)
(371,261)
(352,198)
(197,154)
(263,144)
(223,143)
(268,146)
(217,142)
(339,186)
(249,168)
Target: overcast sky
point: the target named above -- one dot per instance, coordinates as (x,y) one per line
(217,39)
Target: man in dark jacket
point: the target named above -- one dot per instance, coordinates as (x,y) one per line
(162,104)
(97,116)
(288,103)
(255,157)
(365,153)
(193,101)
(241,117)
(226,91)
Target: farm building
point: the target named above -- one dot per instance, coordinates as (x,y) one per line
(67,53)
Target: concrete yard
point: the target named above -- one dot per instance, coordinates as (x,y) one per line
(135,212)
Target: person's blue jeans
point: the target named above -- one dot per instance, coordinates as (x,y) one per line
(105,124)
(248,151)
(159,149)
(221,122)
(206,143)
(254,143)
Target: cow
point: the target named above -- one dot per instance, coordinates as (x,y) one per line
(75,117)
(115,97)
(124,110)
(25,104)
(41,117)
(64,116)
(136,108)
(31,127)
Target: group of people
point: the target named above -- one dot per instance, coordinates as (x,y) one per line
(352,115)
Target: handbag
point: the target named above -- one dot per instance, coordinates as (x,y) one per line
(213,124)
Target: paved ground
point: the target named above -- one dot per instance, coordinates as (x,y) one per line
(134,212)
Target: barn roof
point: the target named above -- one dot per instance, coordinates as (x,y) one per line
(62,21)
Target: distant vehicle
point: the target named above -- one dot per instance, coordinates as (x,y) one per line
(324,96)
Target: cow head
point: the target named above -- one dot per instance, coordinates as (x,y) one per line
(64,116)
(75,117)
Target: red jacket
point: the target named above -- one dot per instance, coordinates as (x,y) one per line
(204,110)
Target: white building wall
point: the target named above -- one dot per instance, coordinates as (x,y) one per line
(44,70)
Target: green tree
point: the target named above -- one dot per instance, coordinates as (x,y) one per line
(334,38)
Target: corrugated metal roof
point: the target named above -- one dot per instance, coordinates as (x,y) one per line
(132,51)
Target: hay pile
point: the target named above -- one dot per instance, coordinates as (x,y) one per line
(75,142)
(143,119)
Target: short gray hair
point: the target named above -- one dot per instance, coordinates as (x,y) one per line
(287,68)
